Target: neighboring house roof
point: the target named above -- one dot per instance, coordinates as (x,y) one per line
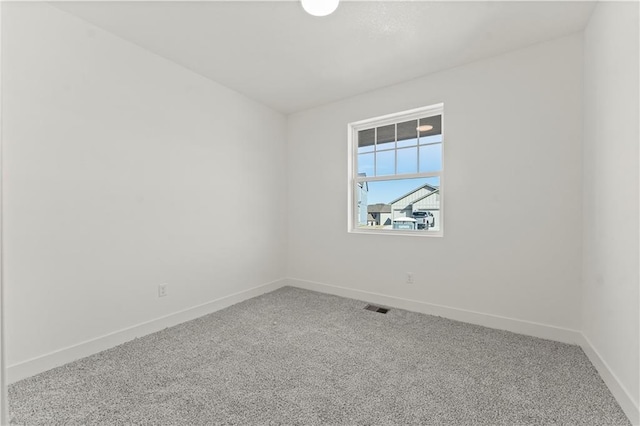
(427,186)
(379,208)
(428,195)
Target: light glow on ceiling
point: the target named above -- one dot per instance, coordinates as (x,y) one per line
(320,7)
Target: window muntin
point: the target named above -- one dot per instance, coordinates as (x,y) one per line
(396,165)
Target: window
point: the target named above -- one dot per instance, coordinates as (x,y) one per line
(395,173)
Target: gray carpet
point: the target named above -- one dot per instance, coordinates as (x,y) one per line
(299,357)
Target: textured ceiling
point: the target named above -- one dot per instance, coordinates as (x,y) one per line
(275,53)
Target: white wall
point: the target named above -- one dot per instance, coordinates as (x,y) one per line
(611,215)
(3,385)
(120,171)
(513,205)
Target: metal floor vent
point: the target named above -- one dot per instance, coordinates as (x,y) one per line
(375,308)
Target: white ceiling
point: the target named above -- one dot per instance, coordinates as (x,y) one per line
(275,53)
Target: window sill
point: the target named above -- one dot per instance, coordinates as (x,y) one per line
(397,232)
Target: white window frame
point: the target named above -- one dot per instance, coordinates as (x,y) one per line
(354,179)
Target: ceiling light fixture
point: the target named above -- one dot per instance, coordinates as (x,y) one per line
(424,128)
(320,7)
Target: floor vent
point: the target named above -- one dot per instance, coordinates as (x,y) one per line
(375,308)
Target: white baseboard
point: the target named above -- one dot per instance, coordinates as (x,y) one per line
(529,328)
(618,390)
(543,331)
(63,356)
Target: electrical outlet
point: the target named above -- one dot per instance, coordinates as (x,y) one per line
(409,277)
(162,290)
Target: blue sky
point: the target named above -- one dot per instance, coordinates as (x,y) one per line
(408,161)
(389,190)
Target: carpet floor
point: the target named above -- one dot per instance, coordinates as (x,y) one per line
(299,357)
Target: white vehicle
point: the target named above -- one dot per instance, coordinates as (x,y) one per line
(424,220)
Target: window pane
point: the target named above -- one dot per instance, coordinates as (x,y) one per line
(408,160)
(405,204)
(430,126)
(430,139)
(366,140)
(431,158)
(407,133)
(386,137)
(365,164)
(385,163)
(407,143)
